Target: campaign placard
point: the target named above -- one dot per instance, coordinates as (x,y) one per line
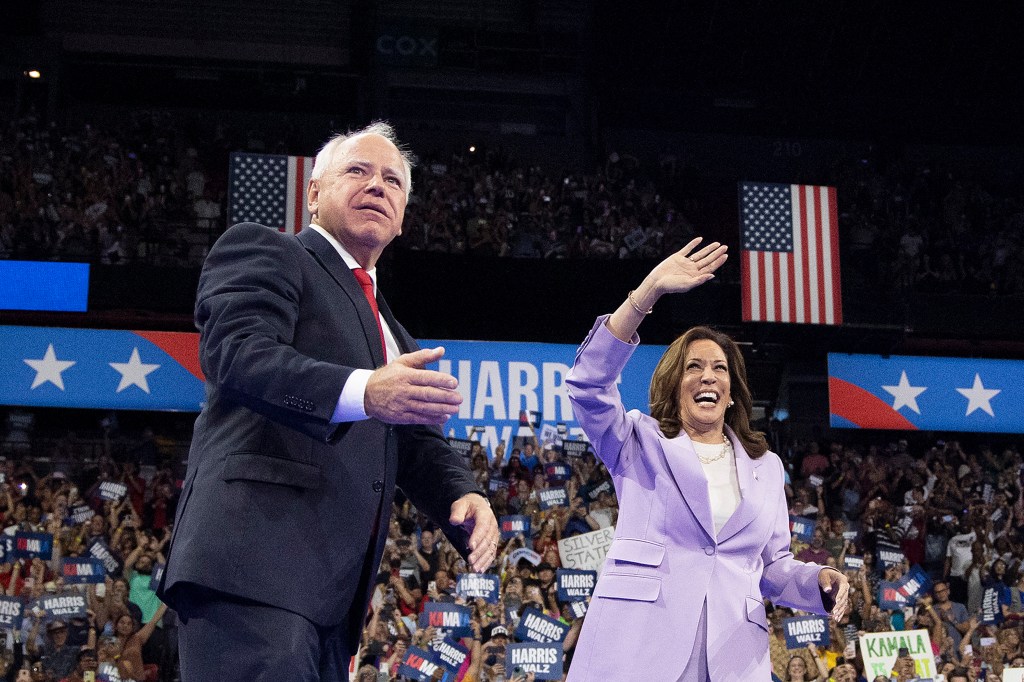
(991,608)
(586,551)
(63,606)
(913,584)
(574,584)
(479,586)
(99,550)
(850,535)
(880,649)
(79,570)
(6,548)
(553,497)
(521,553)
(451,652)
(462,446)
(10,613)
(575,448)
(1013,674)
(31,545)
(81,513)
(534,626)
(158,573)
(889,554)
(543,660)
(513,525)
(890,597)
(802,527)
(852,562)
(496,484)
(111,490)
(421,665)
(805,630)
(578,609)
(557,472)
(606,486)
(452,618)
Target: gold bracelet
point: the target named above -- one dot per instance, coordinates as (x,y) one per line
(637,308)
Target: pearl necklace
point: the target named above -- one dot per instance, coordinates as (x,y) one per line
(726,446)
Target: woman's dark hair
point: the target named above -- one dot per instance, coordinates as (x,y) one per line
(668,374)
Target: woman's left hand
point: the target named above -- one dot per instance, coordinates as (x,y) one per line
(836,585)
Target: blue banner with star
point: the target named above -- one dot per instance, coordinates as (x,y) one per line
(932,394)
(100,368)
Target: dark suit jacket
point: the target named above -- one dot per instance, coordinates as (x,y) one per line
(278,504)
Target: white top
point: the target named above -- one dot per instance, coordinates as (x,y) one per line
(723,483)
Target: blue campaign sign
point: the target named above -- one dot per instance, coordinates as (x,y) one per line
(31,545)
(805,630)
(452,618)
(10,613)
(112,490)
(158,573)
(421,665)
(99,550)
(63,606)
(991,606)
(552,497)
(802,527)
(557,472)
(6,548)
(478,585)
(77,570)
(925,393)
(44,286)
(534,626)
(521,553)
(889,554)
(914,584)
(578,608)
(889,596)
(852,562)
(100,369)
(498,380)
(574,585)
(452,654)
(543,660)
(513,525)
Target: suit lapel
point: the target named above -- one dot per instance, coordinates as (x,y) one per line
(690,479)
(405,342)
(752,490)
(334,265)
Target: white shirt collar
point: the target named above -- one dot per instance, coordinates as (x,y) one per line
(345,255)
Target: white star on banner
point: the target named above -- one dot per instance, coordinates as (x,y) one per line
(49,368)
(904,394)
(979,397)
(134,372)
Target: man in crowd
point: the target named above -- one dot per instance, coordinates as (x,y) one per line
(318,405)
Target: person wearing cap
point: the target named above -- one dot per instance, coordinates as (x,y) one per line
(57,656)
(702,537)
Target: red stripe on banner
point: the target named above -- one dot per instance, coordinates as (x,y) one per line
(837,286)
(791,288)
(865,409)
(804,229)
(745,283)
(300,194)
(819,223)
(762,294)
(777,281)
(182,346)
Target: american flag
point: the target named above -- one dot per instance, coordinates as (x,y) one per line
(269,189)
(789,253)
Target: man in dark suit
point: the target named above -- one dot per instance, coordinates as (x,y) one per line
(316,409)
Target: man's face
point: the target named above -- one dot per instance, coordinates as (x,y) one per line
(88,663)
(941,591)
(845,673)
(360,198)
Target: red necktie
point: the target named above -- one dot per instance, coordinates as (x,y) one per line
(367,284)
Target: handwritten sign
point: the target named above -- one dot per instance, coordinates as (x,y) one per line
(586,551)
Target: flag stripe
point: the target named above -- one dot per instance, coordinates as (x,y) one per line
(790,241)
(269,189)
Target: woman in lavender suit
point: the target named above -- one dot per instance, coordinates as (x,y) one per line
(703,530)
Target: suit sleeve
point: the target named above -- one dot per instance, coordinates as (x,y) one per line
(246,310)
(594,395)
(786,580)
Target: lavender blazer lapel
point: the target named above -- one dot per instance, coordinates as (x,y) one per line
(689,477)
(752,489)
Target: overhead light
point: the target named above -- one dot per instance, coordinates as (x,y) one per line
(34,73)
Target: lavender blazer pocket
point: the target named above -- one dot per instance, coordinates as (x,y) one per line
(628,586)
(627,551)
(756,613)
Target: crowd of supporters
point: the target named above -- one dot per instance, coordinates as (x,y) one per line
(155,189)
(953,513)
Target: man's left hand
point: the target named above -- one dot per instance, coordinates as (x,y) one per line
(473,512)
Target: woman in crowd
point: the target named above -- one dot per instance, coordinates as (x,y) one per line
(703,531)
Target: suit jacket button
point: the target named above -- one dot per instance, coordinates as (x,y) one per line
(709,550)
(378,486)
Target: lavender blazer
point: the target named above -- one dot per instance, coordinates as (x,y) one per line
(666,560)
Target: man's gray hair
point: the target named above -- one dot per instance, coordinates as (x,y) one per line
(325,156)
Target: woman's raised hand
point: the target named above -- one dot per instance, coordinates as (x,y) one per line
(686,269)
